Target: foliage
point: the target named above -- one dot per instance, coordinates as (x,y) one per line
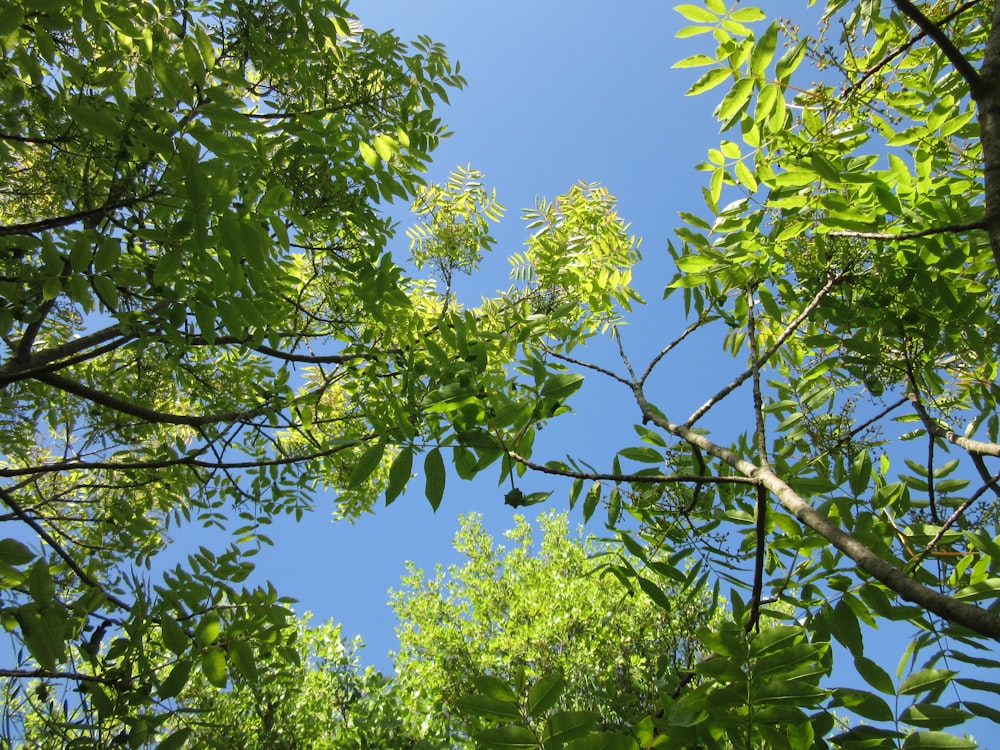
(515,615)
(201,317)
(848,264)
(196,289)
(324,699)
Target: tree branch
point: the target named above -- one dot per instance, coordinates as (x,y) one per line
(954,55)
(59,550)
(782,338)
(968,615)
(975,447)
(142,412)
(634,478)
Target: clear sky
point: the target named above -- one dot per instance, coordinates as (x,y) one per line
(557,92)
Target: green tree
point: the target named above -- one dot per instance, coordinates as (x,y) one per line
(516,614)
(201,324)
(847,261)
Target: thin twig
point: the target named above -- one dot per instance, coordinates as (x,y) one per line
(784,336)
(634,478)
(58,549)
(669,347)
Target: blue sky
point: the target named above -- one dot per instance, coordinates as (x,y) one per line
(557,93)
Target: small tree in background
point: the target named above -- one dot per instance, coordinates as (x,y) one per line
(518,612)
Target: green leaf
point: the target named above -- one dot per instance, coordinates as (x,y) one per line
(366,465)
(697,13)
(494,688)
(242,657)
(208,629)
(863,703)
(434,474)
(506,738)
(369,154)
(40,583)
(926,680)
(399,474)
(213,666)
(937,741)
(561,386)
(708,81)
(846,629)
(931,716)
(563,726)
(488,708)
(591,500)
(544,693)
(861,473)
(655,593)
(737,98)
(174,637)
(176,740)
(874,675)
(603,741)
(14,552)
(763,51)
(175,681)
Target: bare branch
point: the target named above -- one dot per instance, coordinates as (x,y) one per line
(782,338)
(976,447)
(670,347)
(760,548)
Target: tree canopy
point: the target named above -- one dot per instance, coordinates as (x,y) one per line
(203,323)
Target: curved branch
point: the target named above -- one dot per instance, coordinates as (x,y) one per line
(142,412)
(973,447)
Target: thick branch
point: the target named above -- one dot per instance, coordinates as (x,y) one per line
(988,103)
(33,227)
(944,43)
(968,615)
(974,447)
(142,412)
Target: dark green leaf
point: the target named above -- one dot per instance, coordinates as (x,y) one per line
(544,693)
(488,708)
(563,726)
(213,666)
(506,738)
(937,741)
(435,477)
(399,474)
(14,552)
(926,680)
(366,465)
